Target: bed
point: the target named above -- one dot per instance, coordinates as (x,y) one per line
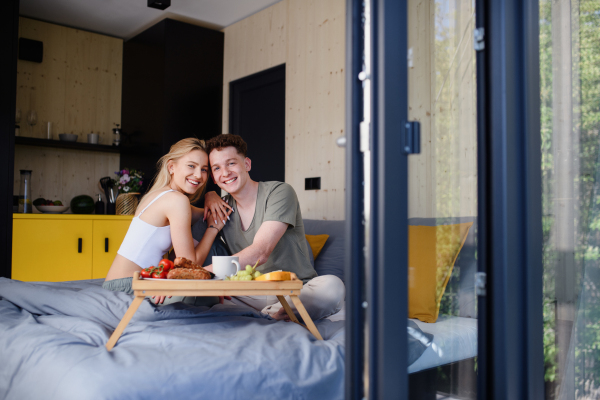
(52,338)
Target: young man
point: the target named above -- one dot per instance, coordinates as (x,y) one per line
(266,225)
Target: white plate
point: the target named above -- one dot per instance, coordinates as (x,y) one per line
(199,280)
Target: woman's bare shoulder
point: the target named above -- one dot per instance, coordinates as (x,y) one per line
(172,198)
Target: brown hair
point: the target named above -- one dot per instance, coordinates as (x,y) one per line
(227,140)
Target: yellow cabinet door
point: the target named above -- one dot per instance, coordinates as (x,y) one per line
(108,236)
(51,250)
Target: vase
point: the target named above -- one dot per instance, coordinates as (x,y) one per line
(127,203)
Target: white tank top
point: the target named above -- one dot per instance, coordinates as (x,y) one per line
(145,244)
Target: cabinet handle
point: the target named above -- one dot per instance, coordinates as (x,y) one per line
(79,244)
(106,245)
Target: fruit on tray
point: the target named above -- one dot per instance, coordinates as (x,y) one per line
(160,272)
(248,274)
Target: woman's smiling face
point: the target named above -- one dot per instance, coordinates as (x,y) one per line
(190,172)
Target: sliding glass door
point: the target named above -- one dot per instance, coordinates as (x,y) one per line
(442,198)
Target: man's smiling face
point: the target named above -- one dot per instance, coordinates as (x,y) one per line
(230,169)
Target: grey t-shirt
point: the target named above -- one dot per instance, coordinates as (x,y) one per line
(275,201)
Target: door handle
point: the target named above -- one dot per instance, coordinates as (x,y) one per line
(412,137)
(79,244)
(106,245)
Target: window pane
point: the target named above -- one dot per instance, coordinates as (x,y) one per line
(443,197)
(570,97)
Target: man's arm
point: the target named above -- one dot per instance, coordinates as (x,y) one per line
(265,240)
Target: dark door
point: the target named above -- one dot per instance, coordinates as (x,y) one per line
(257,114)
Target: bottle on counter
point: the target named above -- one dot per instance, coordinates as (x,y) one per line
(25,202)
(99,205)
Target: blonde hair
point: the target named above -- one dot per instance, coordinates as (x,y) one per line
(178,150)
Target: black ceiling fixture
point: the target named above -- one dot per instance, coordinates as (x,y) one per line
(160,4)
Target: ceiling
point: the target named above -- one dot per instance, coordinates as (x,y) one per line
(127,18)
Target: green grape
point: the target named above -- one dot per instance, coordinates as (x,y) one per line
(243,273)
(235,278)
(247,278)
(226,278)
(249,268)
(256,274)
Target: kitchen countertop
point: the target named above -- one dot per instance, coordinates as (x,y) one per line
(73,216)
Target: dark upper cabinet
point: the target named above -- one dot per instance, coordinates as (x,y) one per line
(172,89)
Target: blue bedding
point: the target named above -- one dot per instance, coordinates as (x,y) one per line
(52,338)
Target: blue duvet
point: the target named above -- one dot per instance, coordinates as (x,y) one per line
(52,338)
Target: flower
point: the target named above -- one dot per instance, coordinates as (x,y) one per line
(129,180)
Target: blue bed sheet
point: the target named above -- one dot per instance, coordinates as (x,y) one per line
(52,338)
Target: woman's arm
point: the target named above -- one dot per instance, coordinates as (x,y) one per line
(203,248)
(179,214)
(197,213)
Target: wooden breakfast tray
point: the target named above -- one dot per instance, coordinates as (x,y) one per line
(174,287)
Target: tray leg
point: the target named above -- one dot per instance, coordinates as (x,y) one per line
(288,309)
(135,304)
(310,325)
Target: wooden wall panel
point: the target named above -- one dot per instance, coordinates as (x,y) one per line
(78,84)
(78,88)
(61,174)
(252,45)
(41,87)
(309,36)
(315,99)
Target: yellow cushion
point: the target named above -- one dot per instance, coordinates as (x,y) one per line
(316,243)
(432,251)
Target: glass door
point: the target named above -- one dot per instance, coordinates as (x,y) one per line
(413,145)
(442,200)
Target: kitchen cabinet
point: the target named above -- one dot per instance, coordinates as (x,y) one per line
(172,89)
(63,247)
(107,237)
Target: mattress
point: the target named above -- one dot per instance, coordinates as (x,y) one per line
(454,339)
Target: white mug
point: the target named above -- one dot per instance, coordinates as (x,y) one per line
(225,265)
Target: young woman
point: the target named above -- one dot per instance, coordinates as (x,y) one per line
(164,217)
